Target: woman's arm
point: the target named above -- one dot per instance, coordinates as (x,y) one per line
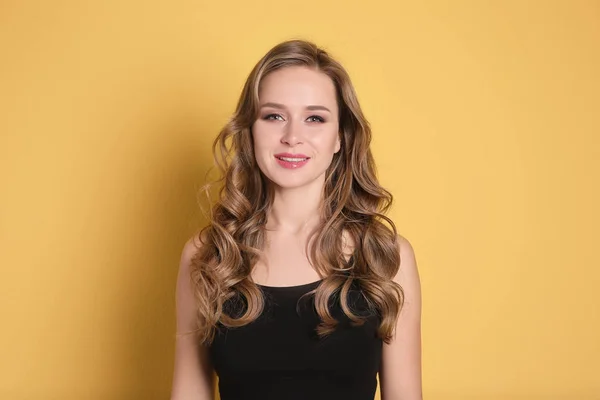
(193,374)
(400,375)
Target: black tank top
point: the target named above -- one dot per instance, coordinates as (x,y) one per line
(279,356)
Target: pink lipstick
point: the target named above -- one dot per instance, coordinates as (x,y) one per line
(291,161)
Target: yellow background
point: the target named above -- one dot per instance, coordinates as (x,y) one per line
(486,129)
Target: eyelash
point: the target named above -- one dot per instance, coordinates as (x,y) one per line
(318,118)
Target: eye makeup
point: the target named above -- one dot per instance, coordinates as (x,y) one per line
(275,117)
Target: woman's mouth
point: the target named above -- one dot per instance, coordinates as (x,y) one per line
(291,161)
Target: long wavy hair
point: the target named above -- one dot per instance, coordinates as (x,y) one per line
(353,202)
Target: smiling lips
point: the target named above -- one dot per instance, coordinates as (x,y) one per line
(291,161)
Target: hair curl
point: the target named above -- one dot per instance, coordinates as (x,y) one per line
(353,202)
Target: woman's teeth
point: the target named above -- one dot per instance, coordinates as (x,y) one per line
(288,159)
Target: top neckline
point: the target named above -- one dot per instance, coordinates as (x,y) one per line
(301,286)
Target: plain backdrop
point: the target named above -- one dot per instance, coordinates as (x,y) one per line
(486,130)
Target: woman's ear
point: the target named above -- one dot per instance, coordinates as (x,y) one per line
(338,143)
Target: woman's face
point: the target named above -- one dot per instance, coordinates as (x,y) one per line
(297,130)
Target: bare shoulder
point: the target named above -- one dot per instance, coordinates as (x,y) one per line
(400,376)
(192,374)
(407,253)
(408,278)
(185,298)
(185,301)
(191,247)
(406,247)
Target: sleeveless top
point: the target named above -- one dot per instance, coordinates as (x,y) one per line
(280,356)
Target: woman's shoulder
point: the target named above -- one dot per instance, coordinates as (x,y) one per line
(404,246)
(192,246)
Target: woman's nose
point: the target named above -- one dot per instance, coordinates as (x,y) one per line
(292,134)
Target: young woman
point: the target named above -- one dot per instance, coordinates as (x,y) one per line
(299,287)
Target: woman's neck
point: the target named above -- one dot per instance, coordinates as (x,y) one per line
(295,210)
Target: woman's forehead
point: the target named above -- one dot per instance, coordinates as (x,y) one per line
(298,87)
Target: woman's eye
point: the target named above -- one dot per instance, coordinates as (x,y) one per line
(277,117)
(315,118)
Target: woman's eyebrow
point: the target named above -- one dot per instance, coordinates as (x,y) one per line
(318,108)
(282,107)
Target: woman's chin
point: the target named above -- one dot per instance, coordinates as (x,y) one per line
(291,182)
(281,184)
